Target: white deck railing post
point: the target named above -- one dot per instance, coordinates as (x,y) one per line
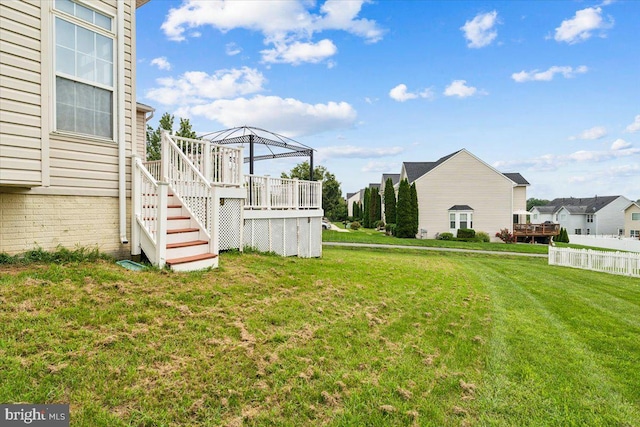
(267,192)
(164,157)
(208,173)
(214,222)
(136,201)
(161,232)
(296,193)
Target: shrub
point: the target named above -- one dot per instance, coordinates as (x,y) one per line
(481,236)
(355,225)
(379,225)
(466,233)
(506,236)
(445,236)
(390,229)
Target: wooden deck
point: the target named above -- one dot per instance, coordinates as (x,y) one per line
(536,230)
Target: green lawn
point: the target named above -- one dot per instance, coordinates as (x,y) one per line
(358,337)
(364,235)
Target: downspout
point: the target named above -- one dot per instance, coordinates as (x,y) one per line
(120,96)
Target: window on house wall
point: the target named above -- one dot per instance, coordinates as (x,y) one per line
(563,217)
(460,220)
(634,233)
(535,216)
(588,231)
(84,70)
(635,217)
(577,231)
(589,218)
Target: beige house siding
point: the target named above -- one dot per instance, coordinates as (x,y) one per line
(464,180)
(74,180)
(628,223)
(20,87)
(520,198)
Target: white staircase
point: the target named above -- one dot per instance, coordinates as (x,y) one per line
(187,246)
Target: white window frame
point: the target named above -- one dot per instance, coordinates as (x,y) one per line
(112,34)
(458,220)
(634,233)
(637,216)
(577,231)
(589,217)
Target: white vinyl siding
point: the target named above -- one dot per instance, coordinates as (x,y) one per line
(20,94)
(464,180)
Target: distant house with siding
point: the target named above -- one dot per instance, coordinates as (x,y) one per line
(632,220)
(586,215)
(462,191)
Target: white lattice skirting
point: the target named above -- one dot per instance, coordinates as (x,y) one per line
(286,233)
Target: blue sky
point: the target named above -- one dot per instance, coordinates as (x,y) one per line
(550,89)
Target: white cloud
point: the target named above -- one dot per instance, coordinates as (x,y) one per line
(381,167)
(635,126)
(232,49)
(460,89)
(161,63)
(596,132)
(480,30)
(536,75)
(288,25)
(620,144)
(401,94)
(286,116)
(197,86)
(298,52)
(582,25)
(354,152)
(550,162)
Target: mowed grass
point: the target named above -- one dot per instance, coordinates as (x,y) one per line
(364,235)
(358,337)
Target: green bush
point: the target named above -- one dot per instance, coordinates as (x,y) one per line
(379,225)
(355,225)
(466,233)
(506,236)
(481,236)
(445,236)
(390,229)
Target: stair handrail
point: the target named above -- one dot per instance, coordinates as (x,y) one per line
(188,183)
(149,198)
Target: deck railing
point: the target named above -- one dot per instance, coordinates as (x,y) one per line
(150,210)
(625,263)
(222,165)
(187,182)
(154,167)
(264,192)
(536,229)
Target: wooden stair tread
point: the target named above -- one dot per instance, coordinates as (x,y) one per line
(193,258)
(187,244)
(181,230)
(169,218)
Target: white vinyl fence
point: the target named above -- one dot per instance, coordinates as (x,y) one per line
(625,263)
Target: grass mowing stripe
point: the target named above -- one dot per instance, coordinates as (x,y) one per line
(585,396)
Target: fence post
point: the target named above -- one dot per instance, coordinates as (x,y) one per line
(296,193)
(164,157)
(267,191)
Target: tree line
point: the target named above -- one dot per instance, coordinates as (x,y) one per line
(401,212)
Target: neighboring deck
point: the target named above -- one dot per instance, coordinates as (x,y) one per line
(536,230)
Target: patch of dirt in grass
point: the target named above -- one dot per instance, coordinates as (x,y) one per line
(330,399)
(468,390)
(248,340)
(405,394)
(387,409)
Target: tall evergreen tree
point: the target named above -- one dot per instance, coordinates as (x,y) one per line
(404,218)
(389,202)
(374,207)
(414,208)
(354,210)
(366,206)
(186,131)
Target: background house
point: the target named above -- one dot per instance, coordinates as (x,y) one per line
(353,197)
(632,220)
(583,216)
(395,179)
(67,124)
(461,191)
